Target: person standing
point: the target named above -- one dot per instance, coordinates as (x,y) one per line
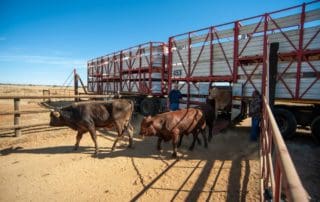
(255,113)
(174,98)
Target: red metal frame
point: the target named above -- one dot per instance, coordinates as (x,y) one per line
(136,75)
(300,53)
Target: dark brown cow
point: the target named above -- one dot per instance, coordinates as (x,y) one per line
(173,125)
(84,117)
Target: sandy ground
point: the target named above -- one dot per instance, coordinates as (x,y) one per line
(41,165)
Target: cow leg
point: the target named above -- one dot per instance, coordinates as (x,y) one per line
(130,134)
(210,131)
(180,141)
(203,133)
(159,144)
(92,131)
(79,136)
(120,130)
(193,141)
(174,145)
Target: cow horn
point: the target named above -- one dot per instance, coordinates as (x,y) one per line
(51,110)
(56,114)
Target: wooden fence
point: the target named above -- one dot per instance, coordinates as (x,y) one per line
(17,126)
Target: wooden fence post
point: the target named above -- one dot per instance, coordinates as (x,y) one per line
(17,131)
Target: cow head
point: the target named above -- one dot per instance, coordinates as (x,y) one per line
(56,118)
(150,126)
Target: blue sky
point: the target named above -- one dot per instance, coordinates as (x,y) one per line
(41,41)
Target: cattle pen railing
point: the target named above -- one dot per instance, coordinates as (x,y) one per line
(17,126)
(278,173)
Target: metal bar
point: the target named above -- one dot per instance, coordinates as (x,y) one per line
(250,36)
(300,50)
(265,54)
(223,52)
(19,127)
(198,57)
(150,69)
(235,51)
(295,189)
(306,46)
(52,96)
(211,51)
(24,112)
(16,120)
(189,69)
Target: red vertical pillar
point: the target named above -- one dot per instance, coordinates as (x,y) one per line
(300,51)
(211,51)
(265,54)
(189,69)
(235,51)
(150,69)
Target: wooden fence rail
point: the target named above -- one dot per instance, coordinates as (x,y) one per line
(17,126)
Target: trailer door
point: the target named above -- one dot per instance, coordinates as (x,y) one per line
(236,104)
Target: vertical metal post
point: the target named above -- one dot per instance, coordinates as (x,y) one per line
(169,65)
(235,51)
(130,69)
(163,70)
(189,69)
(300,50)
(273,69)
(150,68)
(16,120)
(211,51)
(120,71)
(75,85)
(265,54)
(139,69)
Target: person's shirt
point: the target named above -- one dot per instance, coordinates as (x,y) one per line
(255,107)
(175,96)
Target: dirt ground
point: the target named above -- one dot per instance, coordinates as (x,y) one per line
(41,165)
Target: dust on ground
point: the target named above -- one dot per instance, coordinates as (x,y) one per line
(41,165)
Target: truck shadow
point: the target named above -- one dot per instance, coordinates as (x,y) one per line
(229,151)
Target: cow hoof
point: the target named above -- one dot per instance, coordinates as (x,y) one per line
(174,155)
(75,148)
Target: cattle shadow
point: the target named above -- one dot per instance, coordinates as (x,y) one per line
(236,189)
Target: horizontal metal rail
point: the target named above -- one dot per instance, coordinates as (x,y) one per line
(24,112)
(23,126)
(54,96)
(277,168)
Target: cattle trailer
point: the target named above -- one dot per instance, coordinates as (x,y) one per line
(237,55)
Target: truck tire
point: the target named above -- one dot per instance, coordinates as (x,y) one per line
(149,106)
(286,121)
(315,127)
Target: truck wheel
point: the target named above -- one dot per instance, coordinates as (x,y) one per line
(149,106)
(315,127)
(286,121)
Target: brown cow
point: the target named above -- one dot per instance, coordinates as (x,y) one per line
(173,125)
(84,117)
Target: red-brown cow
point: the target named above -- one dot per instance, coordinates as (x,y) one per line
(173,125)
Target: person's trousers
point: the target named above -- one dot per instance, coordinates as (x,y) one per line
(255,128)
(174,106)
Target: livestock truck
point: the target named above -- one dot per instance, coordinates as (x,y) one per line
(276,53)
